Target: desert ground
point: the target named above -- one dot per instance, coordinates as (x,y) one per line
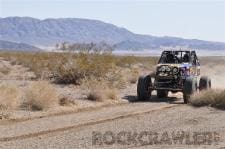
(44,112)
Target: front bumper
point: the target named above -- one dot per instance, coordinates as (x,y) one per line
(166,88)
(167,83)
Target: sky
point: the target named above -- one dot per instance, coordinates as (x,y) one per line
(193,19)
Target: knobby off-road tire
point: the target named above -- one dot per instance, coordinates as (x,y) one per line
(204,83)
(143,92)
(190,86)
(162,93)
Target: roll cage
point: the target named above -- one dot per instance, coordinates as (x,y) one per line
(178,57)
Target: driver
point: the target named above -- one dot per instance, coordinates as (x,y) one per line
(170,58)
(186,57)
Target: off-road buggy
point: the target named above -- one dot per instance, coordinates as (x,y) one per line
(176,71)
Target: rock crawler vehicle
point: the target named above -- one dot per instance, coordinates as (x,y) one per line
(176,71)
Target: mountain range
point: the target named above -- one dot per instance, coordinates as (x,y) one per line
(48,32)
(13,46)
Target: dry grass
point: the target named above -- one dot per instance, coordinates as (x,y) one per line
(40,96)
(9,96)
(214,98)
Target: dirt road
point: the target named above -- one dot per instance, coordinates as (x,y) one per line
(100,128)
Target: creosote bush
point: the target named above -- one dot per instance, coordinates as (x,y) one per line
(73,70)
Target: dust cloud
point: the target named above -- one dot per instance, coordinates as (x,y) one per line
(214,67)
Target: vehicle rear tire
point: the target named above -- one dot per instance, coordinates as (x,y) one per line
(162,93)
(190,86)
(204,83)
(143,91)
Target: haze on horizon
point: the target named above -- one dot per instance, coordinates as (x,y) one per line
(198,19)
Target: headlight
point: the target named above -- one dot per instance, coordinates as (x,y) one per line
(175,70)
(168,68)
(163,68)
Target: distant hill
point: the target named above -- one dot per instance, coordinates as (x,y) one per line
(48,32)
(12,46)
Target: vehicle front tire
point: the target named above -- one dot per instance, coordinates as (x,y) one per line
(143,91)
(190,86)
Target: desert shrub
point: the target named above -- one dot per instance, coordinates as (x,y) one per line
(99,90)
(214,98)
(10,96)
(66,101)
(93,89)
(73,70)
(40,96)
(95,95)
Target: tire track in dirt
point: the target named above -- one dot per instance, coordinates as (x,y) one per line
(90,109)
(76,126)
